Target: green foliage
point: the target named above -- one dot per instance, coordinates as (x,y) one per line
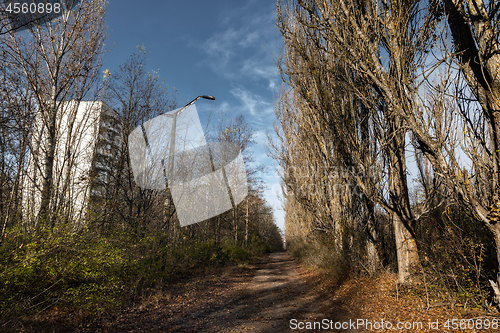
(59,268)
(93,273)
(236,253)
(208,253)
(458,256)
(258,247)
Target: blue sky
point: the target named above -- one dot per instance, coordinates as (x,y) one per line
(222,48)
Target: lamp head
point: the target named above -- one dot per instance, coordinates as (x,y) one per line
(212,98)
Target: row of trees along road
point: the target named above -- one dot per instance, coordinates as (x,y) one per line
(128,240)
(368,79)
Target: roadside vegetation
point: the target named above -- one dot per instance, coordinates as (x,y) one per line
(56,275)
(64,260)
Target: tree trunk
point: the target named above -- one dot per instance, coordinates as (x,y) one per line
(246,227)
(372,246)
(51,141)
(495,229)
(235,221)
(407,253)
(373,260)
(217,230)
(406,246)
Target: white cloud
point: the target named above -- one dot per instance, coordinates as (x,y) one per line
(243,50)
(220,46)
(249,39)
(253,103)
(261,68)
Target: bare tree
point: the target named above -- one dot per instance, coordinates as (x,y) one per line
(239,133)
(475,36)
(352,63)
(386,45)
(17,108)
(60,62)
(137,95)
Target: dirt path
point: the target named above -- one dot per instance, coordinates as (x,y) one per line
(263,298)
(273,297)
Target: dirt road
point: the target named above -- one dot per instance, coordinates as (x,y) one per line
(273,297)
(264,298)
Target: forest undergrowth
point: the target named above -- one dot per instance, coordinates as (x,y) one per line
(65,276)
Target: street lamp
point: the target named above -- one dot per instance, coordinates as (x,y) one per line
(172,133)
(172,143)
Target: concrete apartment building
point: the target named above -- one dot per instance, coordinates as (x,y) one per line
(88,142)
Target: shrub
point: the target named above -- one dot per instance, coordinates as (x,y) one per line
(236,254)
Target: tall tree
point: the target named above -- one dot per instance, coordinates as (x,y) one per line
(137,95)
(237,132)
(355,62)
(60,61)
(475,31)
(17,108)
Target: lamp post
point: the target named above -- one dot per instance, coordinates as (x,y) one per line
(172,133)
(172,148)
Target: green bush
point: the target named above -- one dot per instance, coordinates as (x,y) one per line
(92,273)
(458,256)
(236,254)
(59,268)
